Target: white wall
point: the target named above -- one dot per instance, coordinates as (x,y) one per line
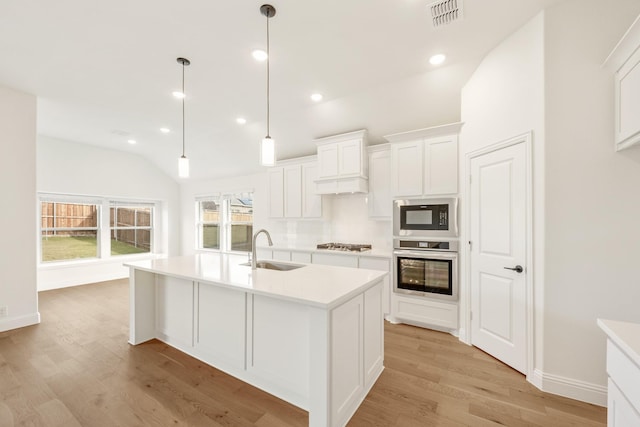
(592,202)
(18,215)
(345,217)
(548,78)
(505,98)
(80,169)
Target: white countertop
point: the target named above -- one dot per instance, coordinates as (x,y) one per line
(317,285)
(375,253)
(625,335)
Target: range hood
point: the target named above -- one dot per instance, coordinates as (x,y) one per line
(342,163)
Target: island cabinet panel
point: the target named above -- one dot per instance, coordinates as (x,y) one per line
(278,346)
(221,325)
(174,310)
(347,364)
(373,335)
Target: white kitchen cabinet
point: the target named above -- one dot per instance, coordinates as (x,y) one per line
(220,325)
(304,257)
(424,162)
(276,192)
(292,189)
(379,199)
(280,255)
(311,201)
(334,259)
(423,312)
(342,163)
(381,264)
(406,168)
(624,62)
(623,370)
(440,165)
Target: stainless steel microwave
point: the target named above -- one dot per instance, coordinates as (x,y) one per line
(432,218)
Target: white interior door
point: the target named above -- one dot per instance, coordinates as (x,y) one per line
(498,254)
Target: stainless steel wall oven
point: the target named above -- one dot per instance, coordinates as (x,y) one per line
(426,268)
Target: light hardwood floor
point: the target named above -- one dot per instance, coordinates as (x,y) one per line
(76,368)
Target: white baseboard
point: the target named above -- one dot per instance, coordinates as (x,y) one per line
(569,387)
(19,321)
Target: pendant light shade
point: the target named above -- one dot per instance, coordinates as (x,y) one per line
(183,167)
(268,146)
(268,152)
(183,162)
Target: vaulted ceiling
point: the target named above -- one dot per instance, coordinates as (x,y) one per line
(104,71)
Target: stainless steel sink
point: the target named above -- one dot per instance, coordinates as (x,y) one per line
(269,265)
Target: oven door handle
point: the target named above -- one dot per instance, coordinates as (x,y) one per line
(426,254)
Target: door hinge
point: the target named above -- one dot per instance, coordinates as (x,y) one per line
(471,315)
(470,246)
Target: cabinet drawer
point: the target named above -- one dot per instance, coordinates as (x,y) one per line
(624,373)
(301,257)
(425,312)
(381,264)
(281,255)
(337,260)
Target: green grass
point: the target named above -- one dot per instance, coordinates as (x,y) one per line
(59,248)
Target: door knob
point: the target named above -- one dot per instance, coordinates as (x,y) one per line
(517,268)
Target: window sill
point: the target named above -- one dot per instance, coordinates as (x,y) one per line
(54,265)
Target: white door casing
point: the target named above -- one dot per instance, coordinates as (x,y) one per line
(499,233)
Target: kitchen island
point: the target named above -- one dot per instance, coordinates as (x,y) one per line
(312,336)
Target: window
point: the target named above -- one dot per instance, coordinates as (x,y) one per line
(241,221)
(209,224)
(225,222)
(69,231)
(76,227)
(131,228)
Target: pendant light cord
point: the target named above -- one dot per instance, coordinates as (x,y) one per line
(184,95)
(268,57)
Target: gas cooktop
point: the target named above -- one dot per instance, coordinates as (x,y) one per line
(347,247)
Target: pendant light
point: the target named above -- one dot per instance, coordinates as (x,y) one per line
(268,148)
(183,162)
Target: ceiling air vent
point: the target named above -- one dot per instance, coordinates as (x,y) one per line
(445,12)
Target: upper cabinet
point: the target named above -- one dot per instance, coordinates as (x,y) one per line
(342,163)
(292,189)
(425,161)
(624,62)
(379,200)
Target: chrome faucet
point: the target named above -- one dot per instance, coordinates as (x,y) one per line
(253,246)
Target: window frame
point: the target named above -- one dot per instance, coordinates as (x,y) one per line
(103,230)
(115,204)
(223,200)
(200,223)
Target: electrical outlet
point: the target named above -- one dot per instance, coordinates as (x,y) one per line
(4,311)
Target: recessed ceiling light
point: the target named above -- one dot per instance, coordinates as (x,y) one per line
(241,120)
(165,130)
(131,141)
(178,94)
(259,55)
(316,97)
(437,59)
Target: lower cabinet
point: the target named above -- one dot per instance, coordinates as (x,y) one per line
(221,324)
(381,264)
(620,412)
(174,308)
(624,388)
(335,259)
(424,312)
(357,342)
